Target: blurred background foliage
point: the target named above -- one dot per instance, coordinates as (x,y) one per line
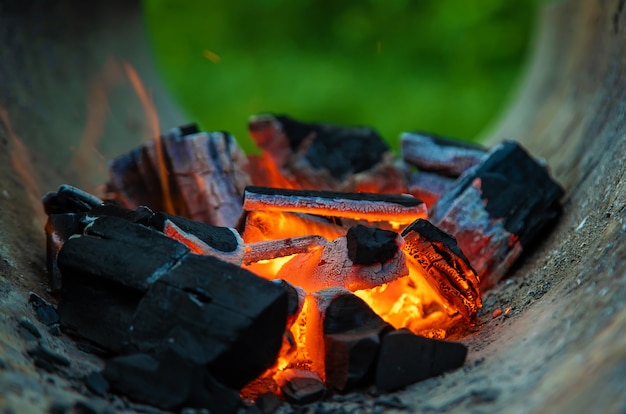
(444,66)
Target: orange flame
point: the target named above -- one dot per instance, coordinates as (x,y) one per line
(20,161)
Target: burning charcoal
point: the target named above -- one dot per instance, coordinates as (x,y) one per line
(127,286)
(510,198)
(443,156)
(200,176)
(206,239)
(332,266)
(68,199)
(262,225)
(400,209)
(272,249)
(406,358)
(301,387)
(351,339)
(429,186)
(317,155)
(168,381)
(436,257)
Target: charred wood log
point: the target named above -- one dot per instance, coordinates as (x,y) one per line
(193,174)
(400,209)
(406,358)
(352,333)
(271,249)
(317,155)
(128,287)
(334,266)
(510,197)
(443,156)
(437,259)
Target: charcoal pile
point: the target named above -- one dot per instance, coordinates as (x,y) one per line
(329,274)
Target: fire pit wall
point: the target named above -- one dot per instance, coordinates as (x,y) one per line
(67,85)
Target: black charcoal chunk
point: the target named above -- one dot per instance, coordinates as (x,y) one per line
(59,228)
(120,251)
(444,156)
(68,199)
(515,188)
(406,358)
(46,313)
(303,389)
(169,382)
(189,129)
(214,313)
(339,150)
(368,245)
(351,338)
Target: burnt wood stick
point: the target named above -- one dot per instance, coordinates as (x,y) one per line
(406,358)
(400,209)
(444,156)
(333,267)
(271,249)
(436,257)
(512,196)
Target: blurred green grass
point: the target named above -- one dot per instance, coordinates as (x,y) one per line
(444,66)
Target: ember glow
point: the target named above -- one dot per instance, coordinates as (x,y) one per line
(357,282)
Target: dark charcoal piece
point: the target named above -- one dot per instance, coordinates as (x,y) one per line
(168,381)
(339,150)
(68,199)
(128,287)
(351,337)
(303,387)
(214,313)
(46,313)
(357,206)
(200,176)
(406,358)
(436,257)
(367,245)
(268,403)
(511,197)
(445,156)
